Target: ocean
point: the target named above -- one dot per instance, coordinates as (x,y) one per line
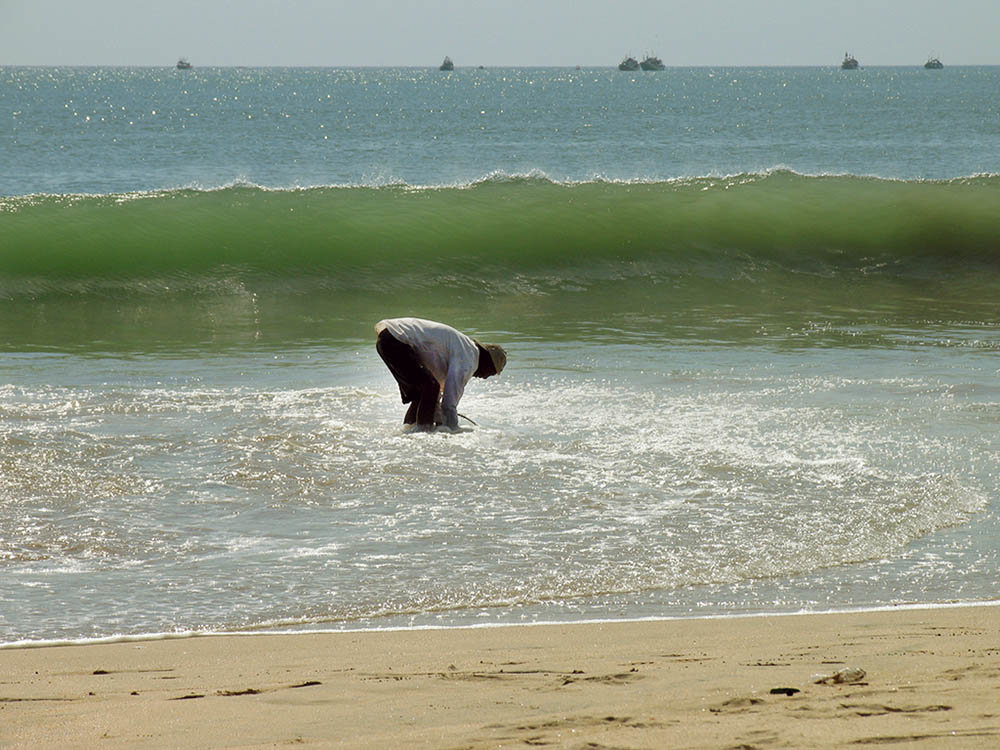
(752,319)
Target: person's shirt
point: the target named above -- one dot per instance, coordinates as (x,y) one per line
(449,355)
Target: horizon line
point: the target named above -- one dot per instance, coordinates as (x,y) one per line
(412,66)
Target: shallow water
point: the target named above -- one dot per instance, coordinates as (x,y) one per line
(278,488)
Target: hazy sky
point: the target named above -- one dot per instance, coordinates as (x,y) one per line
(501,32)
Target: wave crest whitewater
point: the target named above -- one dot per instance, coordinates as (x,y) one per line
(709,225)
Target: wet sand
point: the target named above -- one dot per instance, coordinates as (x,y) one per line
(931,679)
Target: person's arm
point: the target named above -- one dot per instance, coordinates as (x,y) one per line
(461,360)
(453,387)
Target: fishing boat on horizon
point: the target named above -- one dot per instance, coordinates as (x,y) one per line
(850,62)
(183,64)
(652,63)
(629,64)
(447,64)
(933,63)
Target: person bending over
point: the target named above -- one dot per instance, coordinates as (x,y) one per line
(432,362)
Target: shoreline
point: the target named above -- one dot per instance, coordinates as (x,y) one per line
(931,675)
(307,630)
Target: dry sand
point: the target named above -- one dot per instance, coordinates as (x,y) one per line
(932,680)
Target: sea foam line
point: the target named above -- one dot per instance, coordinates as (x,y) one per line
(185,634)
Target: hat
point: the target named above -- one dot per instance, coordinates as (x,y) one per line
(497,354)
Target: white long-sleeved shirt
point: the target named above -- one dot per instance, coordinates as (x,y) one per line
(449,355)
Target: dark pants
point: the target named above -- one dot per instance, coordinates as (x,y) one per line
(417,387)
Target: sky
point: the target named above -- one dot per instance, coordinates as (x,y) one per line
(497,32)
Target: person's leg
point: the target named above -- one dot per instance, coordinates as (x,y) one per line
(417,386)
(411,414)
(427,402)
(401,361)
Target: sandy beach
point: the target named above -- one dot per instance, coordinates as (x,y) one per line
(931,679)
